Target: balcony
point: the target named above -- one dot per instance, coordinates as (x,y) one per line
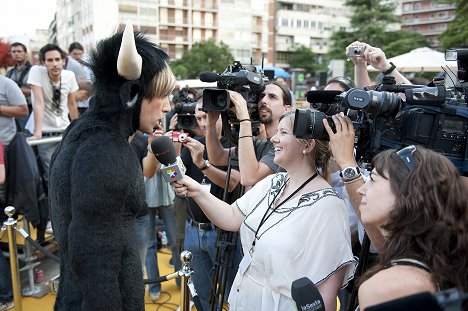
(426,21)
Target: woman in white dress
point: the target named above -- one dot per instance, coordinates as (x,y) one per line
(292,225)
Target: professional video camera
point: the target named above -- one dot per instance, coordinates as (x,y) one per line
(244,80)
(185,109)
(431,116)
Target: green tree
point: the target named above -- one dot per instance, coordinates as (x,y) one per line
(303,57)
(368,24)
(204,56)
(456,34)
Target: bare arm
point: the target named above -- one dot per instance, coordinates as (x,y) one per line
(342,146)
(223,215)
(150,164)
(72,108)
(216,175)
(216,152)
(251,170)
(394,283)
(329,288)
(14,111)
(38,111)
(377,59)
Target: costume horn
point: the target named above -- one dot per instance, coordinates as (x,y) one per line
(129,61)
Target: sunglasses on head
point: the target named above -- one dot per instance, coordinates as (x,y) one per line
(406,155)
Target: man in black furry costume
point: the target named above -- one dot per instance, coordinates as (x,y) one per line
(96,182)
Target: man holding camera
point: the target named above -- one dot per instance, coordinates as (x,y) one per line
(53,99)
(255,157)
(362,54)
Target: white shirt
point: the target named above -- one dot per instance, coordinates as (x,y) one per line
(54,120)
(308,236)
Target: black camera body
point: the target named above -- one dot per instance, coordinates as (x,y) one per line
(434,117)
(185,109)
(242,79)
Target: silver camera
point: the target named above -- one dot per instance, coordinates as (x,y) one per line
(355,50)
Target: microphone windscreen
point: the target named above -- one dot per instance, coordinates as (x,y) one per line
(306,295)
(208,76)
(322,97)
(163,149)
(421,301)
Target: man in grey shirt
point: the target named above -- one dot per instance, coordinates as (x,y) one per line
(12,104)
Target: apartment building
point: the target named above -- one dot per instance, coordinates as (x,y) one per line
(256,29)
(428,17)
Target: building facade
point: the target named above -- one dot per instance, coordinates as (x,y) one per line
(428,17)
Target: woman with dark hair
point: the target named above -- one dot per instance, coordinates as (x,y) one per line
(286,223)
(417,200)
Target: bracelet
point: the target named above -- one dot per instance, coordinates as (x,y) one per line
(354,180)
(245,136)
(244,120)
(390,70)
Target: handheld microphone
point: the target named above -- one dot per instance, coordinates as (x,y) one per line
(306,295)
(172,167)
(322,97)
(208,76)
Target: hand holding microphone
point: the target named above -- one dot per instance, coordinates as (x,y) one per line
(173,168)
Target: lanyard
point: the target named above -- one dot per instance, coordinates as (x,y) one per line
(267,215)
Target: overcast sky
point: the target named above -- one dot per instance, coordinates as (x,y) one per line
(23,17)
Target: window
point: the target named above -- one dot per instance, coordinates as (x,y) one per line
(306,24)
(284,22)
(299,23)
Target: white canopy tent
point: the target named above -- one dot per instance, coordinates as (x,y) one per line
(420,60)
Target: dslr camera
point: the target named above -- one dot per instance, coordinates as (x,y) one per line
(185,109)
(355,51)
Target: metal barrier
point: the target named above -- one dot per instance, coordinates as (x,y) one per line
(10,225)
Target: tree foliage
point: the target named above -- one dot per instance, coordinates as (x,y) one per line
(369,22)
(204,56)
(456,34)
(5,57)
(303,57)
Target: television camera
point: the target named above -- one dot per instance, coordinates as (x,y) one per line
(242,79)
(185,109)
(433,116)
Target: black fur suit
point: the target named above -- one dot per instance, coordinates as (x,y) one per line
(96,189)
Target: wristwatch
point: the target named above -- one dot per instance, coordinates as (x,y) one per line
(350,173)
(389,70)
(205,166)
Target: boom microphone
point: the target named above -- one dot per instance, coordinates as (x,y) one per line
(172,167)
(306,295)
(208,76)
(322,97)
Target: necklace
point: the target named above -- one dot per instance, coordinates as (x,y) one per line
(268,215)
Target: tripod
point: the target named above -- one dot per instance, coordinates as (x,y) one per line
(226,243)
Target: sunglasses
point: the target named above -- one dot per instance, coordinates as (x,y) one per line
(406,155)
(56,95)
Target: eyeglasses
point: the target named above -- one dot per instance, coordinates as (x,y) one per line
(406,154)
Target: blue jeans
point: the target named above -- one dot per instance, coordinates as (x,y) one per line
(45,153)
(142,237)
(6,291)
(202,245)
(168,216)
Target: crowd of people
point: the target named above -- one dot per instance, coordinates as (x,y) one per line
(300,206)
